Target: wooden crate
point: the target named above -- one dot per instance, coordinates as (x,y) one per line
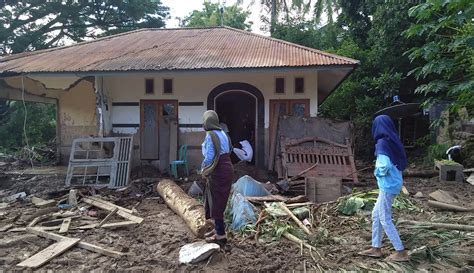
(323,189)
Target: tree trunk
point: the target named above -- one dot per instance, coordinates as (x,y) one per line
(185,206)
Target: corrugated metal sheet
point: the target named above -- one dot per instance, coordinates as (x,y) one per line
(172,49)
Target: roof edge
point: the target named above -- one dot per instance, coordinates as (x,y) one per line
(314,50)
(196,70)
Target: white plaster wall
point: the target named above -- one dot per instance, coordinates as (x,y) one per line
(195,87)
(57,82)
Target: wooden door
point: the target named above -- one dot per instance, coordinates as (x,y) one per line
(288,107)
(151,112)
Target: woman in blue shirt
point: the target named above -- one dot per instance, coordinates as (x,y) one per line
(218,172)
(390,163)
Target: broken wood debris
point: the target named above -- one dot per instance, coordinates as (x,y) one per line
(443,196)
(49,253)
(38,219)
(81,244)
(275,197)
(6,227)
(107,218)
(41,203)
(65,225)
(109,225)
(297,221)
(23,229)
(439,225)
(444,206)
(123,212)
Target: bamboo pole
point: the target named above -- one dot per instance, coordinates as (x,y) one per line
(297,240)
(440,225)
(298,222)
(445,206)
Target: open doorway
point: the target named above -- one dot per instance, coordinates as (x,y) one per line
(237,110)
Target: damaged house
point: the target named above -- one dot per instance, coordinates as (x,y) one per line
(126,83)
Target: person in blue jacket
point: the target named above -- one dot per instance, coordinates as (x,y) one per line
(390,163)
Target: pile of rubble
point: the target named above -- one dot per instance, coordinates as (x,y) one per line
(60,218)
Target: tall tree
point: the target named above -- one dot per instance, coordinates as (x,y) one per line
(38,24)
(212,15)
(447,57)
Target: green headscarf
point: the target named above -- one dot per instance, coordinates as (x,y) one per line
(211,121)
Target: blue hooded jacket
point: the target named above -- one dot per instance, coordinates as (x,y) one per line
(391,158)
(387,141)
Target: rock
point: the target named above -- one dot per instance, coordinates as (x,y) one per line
(195,190)
(196,252)
(14,197)
(419,195)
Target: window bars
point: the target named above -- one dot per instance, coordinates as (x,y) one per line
(100,162)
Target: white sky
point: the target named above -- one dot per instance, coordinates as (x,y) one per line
(182,8)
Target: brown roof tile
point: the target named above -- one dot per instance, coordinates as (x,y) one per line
(172,49)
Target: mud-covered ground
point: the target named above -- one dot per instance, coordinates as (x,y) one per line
(155,244)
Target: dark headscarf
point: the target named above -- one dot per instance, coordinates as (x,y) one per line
(387,141)
(211,121)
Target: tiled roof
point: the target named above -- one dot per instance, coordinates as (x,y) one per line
(172,49)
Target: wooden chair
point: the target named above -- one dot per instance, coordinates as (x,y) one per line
(182,160)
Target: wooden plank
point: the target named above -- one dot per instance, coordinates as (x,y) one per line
(107,218)
(83,245)
(21,229)
(110,207)
(446,206)
(273,139)
(443,196)
(65,225)
(41,203)
(49,253)
(173,140)
(111,225)
(6,227)
(38,219)
(323,189)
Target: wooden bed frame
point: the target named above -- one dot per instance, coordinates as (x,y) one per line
(334,159)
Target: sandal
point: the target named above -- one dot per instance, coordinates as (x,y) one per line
(395,257)
(371,253)
(210,233)
(221,242)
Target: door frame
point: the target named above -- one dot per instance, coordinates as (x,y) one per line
(159,112)
(260,119)
(256,108)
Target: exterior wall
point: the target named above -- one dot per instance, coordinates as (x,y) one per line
(75,107)
(125,92)
(77,116)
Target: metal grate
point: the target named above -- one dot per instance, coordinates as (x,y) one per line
(102,162)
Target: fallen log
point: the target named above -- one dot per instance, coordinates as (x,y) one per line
(440,225)
(444,206)
(185,206)
(420,173)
